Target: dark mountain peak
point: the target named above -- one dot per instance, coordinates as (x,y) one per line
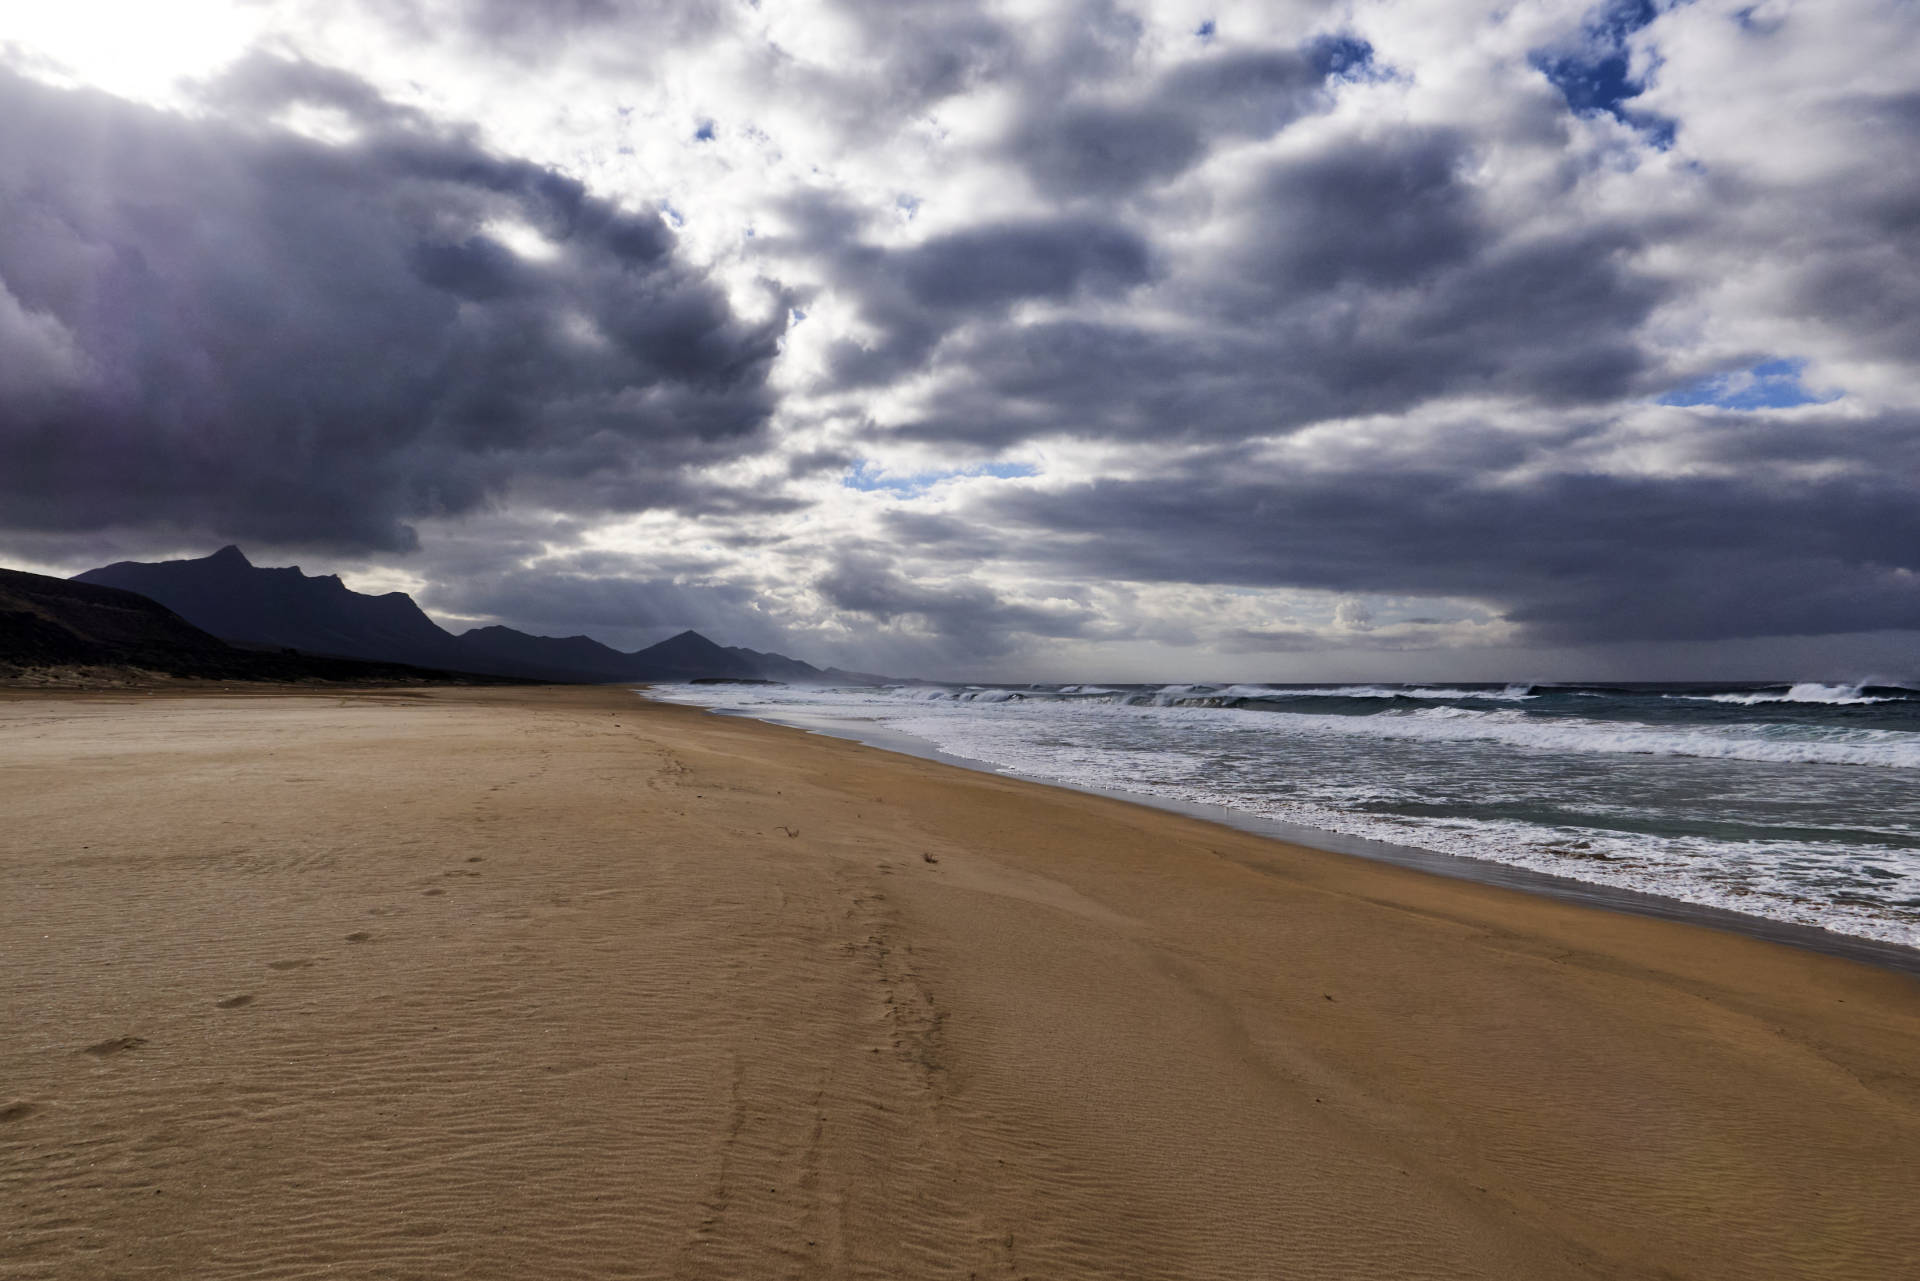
(226,562)
(285,608)
(332,586)
(685,646)
(236,600)
(54,629)
(690,653)
(561,658)
(500,631)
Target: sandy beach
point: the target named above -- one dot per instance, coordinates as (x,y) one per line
(554,982)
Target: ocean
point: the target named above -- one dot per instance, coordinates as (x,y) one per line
(1794,803)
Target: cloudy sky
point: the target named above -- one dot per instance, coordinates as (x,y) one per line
(1271,339)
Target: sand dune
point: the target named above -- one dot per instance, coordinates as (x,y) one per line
(554,983)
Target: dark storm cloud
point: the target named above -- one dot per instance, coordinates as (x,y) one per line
(1552,321)
(1386,281)
(992,266)
(1381,198)
(1571,558)
(967,618)
(954,538)
(1386,213)
(918,295)
(1255,93)
(1105,151)
(1366,277)
(1867,284)
(1110,149)
(246,333)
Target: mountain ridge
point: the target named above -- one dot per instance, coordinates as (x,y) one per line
(54,630)
(230,597)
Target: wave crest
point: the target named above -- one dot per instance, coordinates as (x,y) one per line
(1804,692)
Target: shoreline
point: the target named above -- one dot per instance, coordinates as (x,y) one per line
(566,981)
(1878,952)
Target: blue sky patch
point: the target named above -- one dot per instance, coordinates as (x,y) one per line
(1771,384)
(867,478)
(1337,56)
(1598,76)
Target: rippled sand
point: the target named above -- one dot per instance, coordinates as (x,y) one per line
(552,983)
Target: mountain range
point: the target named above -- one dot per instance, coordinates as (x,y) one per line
(228,596)
(54,629)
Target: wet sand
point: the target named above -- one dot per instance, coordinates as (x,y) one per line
(557,983)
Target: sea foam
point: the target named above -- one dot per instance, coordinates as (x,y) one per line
(1805,692)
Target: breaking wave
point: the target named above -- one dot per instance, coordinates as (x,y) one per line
(1780,744)
(1811,692)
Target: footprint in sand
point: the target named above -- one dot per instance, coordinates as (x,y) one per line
(299,963)
(235,1002)
(116,1045)
(359,936)
(18,1110)
(432,892)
